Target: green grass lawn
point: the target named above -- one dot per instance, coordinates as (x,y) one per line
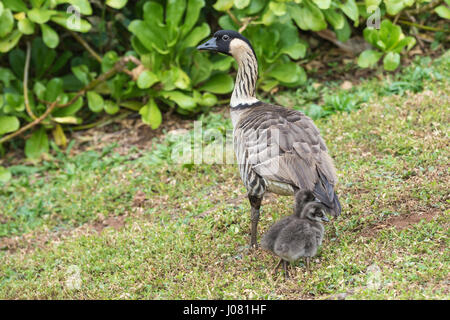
(108,225)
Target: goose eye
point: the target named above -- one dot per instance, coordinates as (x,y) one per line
(225,37)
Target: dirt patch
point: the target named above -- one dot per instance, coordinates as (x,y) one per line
(33,240)
(399,222)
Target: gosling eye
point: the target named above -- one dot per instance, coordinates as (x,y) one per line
(225,37)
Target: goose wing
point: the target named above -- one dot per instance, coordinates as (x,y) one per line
(285,146)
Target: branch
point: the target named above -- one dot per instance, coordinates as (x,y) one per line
(25,83)
(420,26)
(86,46)
(119,66)
(233,17)
(31,124)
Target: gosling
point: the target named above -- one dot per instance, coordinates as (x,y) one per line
(298,235)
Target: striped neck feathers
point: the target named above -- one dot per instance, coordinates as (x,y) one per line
(244,93)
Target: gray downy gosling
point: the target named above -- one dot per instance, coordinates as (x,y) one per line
(301,235)
(302,197)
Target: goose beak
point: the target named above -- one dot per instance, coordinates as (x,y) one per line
(209,45)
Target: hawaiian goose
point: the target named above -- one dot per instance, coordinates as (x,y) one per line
(298,235)
(277,149)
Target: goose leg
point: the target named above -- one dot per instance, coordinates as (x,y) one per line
(285,267)
(278,265)
(255,203)
(307,264)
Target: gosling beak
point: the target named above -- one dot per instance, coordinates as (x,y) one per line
(209,45)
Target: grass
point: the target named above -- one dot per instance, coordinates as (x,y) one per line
(106,225)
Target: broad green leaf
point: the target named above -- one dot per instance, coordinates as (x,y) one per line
(345,32)
(10,41)
(154,13)
(227,23)
(2,8)
(241,4)
(443,12)
(409,42)
(371,36)
(109,60)
(192,13)
(8,124)
(295,51)
(61,61)
(351,10)
(269,84)
(95,101)
(369,58)
(14,101)
(335,18)
(254,7)
(268,17)
(389,34)
(71,22)
(182,100)
(67,120)
(195,36)
(370,4)
(54,89)
(308,16)
(6,76)
(6,23)
(150,114)
(285,72)
(40,15)
(49,36)
(59,136)
(146,79)
(201,68)
(277,8)
(395,6)
(223,5)
(391,61)
(174,12)
(322,4)
(82,73)
(182,80)
(222,63)
(69,110)
(148,37)
(111,107)
(116,4)
(37,144)
(37,3)
(205,100)
(82,6)
(5,175)
(26,26)
(42,57)
(220,84)
(15,5)
(39,90)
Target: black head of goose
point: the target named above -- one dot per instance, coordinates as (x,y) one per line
(278,150)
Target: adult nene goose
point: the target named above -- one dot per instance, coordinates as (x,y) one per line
(277,149)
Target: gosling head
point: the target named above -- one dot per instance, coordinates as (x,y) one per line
(315,211)
(301,198)
(228,42)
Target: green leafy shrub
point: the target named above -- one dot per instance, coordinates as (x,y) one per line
(74,64)
(185,79)
(390,40)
